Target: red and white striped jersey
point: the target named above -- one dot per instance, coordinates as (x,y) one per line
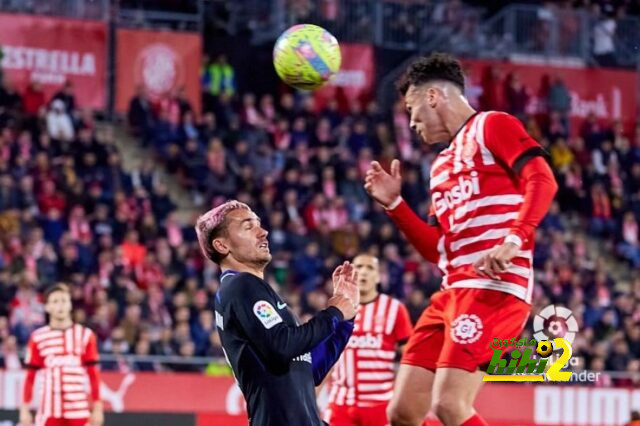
(62,356)
(476,197)
(363,375)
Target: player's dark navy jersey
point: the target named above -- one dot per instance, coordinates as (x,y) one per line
(275,360)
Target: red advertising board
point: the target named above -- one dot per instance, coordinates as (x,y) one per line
(53,50)
(161,61)
(609,94)
(219,401)
(354,81)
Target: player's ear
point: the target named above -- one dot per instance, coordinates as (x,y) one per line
(432,96)
(221,245)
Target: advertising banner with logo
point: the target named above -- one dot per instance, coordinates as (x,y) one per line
(609,94)
(162,62)
(354,81)
(54,50)
(218,400)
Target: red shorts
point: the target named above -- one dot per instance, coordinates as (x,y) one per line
(63,422)
(343,415)
(457,328)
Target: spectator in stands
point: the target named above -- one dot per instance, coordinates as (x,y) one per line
(59,124)
(604,31)
(559,101)
(140,115)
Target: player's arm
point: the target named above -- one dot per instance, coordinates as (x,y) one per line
(90,360)
(257,313)
(33,362)
(510,143)
(385,189)
(325,355)
(514,147)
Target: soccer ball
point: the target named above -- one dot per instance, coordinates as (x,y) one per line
(306,56)
(544,348)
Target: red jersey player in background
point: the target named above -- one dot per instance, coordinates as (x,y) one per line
(66,354)
(362,380)
(489,190)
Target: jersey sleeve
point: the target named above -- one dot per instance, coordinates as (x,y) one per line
(258,315)
(507,139)
(402,328)
(33,359)
(90,354)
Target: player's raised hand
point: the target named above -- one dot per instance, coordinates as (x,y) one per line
(497,261)
(382,186)
(345,282)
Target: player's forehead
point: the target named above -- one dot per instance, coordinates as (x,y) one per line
(365,260)
(414,92)
(239,216)
(58,295)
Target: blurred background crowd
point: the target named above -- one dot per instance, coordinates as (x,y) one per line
(70,212)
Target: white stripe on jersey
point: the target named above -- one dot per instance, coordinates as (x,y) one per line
(39,336)
(491,200)
(376,353)
(50,342)
(57,397)
(368,375)
(382,307)
(377,396)
(458,142)
(491,234)
(391,316)
(514,289)
(489,219)
(475,256)
(75,396)
(72,378)
(438,179)
(367,387)
(72,387)
(350,364)
(68,338)
(487,157)
(77,414)
(367,323)
(443,262)
(375,365)
(48,401)
(75,405)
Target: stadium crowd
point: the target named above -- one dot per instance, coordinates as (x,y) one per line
(69,212)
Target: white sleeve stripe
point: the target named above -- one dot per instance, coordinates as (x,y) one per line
(391,319)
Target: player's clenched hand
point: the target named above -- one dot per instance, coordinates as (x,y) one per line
(382,186)
(497,260)
(345,282)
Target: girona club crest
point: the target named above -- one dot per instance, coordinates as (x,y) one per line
(466,328)
(159,69)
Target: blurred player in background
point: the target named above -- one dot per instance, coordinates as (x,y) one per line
(489,189)
(67,355)
(362,379)
(277,362)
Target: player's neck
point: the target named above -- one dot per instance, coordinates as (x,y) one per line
(458,117)
(257,270)
(368,297)
(60,324)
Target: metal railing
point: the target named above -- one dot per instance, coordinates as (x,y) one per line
(79,9)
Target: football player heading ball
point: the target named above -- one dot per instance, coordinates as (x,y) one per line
(489,190)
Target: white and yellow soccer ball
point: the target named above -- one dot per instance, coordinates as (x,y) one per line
(306,56)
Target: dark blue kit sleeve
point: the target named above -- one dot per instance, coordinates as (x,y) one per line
(260,318)
(325,355)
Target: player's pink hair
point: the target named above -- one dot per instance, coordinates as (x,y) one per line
(212,224)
